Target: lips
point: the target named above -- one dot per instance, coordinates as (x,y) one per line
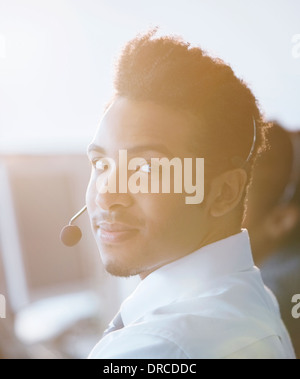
(115,227)
(115,232)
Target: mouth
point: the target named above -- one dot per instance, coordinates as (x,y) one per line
(115,232)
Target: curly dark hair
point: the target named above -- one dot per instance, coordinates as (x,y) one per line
(168,71)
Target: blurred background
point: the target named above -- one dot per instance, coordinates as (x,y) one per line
(56,71)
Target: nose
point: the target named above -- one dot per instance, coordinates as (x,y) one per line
(107,201)
(111,197)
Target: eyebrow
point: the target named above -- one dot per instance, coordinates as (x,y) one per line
(135,149)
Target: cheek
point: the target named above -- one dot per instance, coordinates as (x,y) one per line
(166,214)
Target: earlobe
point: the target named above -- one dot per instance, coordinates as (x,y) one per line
(227,191)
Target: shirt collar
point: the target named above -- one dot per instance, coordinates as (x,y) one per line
(188,274)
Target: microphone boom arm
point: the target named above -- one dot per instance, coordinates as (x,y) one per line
(78,214)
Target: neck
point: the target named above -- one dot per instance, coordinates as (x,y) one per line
(218,234)
(215,234)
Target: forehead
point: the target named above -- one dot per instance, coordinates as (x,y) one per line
(127,123)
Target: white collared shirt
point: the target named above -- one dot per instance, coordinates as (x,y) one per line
(209,304)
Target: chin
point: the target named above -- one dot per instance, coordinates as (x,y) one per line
(120,270)
(118,262)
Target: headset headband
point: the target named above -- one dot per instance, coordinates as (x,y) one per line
(238,161)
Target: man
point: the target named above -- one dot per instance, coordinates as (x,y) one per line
(200,294)
(273,221)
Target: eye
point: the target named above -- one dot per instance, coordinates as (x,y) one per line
(100,165)
(145,168)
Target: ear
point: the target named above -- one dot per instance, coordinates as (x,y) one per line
(226,192)
(282,220)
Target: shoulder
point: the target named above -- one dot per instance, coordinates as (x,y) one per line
(223,321)
(186,341)
(139,342)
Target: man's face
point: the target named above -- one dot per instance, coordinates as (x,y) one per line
(137,233)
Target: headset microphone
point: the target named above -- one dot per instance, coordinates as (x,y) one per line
(71,234)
